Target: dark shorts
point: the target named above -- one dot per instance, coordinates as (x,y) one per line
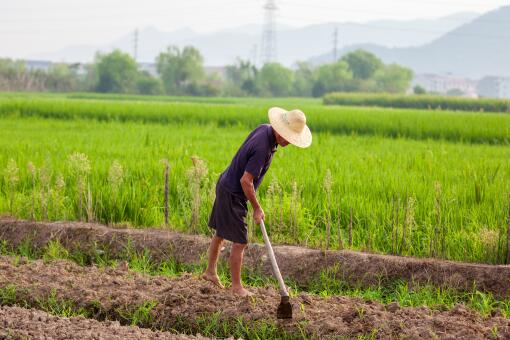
(228,216)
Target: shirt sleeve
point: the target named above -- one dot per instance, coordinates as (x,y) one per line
(255,163)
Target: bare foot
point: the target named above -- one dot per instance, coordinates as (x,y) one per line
(240,291)
(212,278)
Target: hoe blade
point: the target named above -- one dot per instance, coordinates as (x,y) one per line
(284,310)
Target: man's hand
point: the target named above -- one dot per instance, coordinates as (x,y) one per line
(249,192)
(258,215)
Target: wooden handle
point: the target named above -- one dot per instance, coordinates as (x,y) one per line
(276,270)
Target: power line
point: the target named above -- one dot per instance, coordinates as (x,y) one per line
(413,29)
(369,11)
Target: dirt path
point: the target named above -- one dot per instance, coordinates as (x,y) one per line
(183,301)
(21,323)
(296,263)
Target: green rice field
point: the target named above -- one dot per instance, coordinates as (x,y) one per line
(416,182)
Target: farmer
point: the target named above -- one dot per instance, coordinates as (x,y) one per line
(238,184)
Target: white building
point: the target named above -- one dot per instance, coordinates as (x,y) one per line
(444,84)
(496,87)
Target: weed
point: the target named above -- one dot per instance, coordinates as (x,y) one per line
(60,307)
(8,295)
(139,316)
(54,250)
(12,178)
(26,249)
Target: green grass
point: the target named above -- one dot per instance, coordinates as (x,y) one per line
(407,294)
(215,326)
(418,101)
(8,295)
(457,193)
(419,182)
(139,315)
(212,325)
(51,304)
(415,124)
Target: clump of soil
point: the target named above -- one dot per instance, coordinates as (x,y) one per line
(299,264)
(21,323)
(183,301)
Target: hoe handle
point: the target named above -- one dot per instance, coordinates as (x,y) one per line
(276,270)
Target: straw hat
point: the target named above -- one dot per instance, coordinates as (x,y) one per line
(291,125)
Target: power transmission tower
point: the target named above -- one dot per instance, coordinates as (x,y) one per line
(268,49)
(335,44)
(253,55)
(135,45)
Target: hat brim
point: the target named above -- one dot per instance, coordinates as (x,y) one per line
(302,140)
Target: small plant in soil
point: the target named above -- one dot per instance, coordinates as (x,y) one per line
(8,295)
(4,250)
(196,176)
(139,316)
(60,307)
(12,178)
(26,249)
(54,250)
(79,165)
(115,179)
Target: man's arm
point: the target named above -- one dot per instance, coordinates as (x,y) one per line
(249,192)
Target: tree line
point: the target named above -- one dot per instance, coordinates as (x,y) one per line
(180,71)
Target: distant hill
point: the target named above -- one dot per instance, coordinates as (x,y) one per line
(223,47)
(475,49)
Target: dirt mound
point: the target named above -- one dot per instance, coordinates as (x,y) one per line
(182,302)
(297,263)
(21,323)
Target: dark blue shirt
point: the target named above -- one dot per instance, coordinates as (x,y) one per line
(254,156)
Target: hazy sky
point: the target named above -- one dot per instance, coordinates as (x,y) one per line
(34,26)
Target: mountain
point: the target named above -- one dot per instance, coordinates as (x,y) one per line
(223,47)
(475,49)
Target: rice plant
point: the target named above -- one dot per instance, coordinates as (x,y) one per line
(455,166)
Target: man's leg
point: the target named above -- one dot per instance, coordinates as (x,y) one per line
(211,273)
(236,261)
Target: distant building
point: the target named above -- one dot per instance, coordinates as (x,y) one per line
(38,65)
(43,65)
(446,84)
(496,87)
(149,67)
(219,71)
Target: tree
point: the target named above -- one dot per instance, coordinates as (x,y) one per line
(12,74)
(241,78)
(304,79)
(274,80)
(455,93)
(178,69)
(15,76)
(393,78)
(362,64)
(61,78)
(332,77)
(211,86)
(116,72)
(147,84)
(418,89)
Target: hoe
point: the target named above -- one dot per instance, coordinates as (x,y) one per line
(284,310)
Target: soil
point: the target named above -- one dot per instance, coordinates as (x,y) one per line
(21,323)
(184,300)
(299,264)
